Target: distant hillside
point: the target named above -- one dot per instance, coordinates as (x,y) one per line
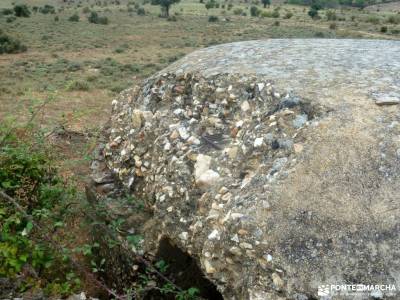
(336,3)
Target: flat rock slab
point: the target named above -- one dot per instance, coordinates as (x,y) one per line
(271,164)
(321,67)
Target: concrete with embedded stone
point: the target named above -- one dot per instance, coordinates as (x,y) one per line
(275,164)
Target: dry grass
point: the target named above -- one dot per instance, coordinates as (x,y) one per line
(82,66)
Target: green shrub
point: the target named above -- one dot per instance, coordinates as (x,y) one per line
(86,10)
(277,23)
(275,13)
(238,11)
(74,18)
(331,15)
(96,19)
(71,66)
(212,19)
(172,19)
(373,20)
(78,85)
(384,29)
(140,11)
(313,13)
(266,14)
(230,5)
(10,19)
(254,11)
(395,19)
(7,11)
(56,18)
(332,26)
(28,176)
(47,9)
(10,45)
(288,15)
(209,5)
(22,11)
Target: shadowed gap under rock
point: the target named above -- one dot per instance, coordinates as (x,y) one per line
(184,271)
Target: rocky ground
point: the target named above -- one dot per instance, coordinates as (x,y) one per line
(274,164)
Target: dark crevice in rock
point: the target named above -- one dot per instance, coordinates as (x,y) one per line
(184,271)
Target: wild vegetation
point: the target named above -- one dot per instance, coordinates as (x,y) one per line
(77,55)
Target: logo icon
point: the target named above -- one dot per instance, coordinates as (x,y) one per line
(323,290)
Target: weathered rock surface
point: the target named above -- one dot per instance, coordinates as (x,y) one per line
(270,163)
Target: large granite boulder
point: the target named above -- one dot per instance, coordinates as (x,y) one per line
(274,164)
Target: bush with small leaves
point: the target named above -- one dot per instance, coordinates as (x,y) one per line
(96,19)
(331,15)
(238,11)
(7,11)
(313,13)
(140,11)
(38,207)
(288,15)
(22,10)
(265,14)
(10,45)
(78,85)
(394,19)
(332,26)
(74,18)
(209,5)
(372,19)
(11,19)
(47,9)
(254,11)
(277,23)
(275,13)
(384,29)
(230,5)
(172,19)
(212,19)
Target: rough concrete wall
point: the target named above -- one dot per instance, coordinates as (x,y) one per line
(275,164)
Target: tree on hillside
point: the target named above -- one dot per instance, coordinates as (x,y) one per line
(266,2)
(165,5)
(313,13)
(22,11)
